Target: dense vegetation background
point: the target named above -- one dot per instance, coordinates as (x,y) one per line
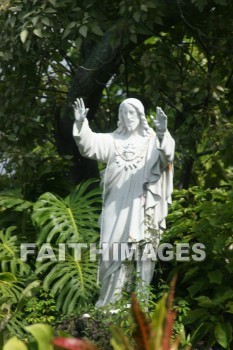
(174,54)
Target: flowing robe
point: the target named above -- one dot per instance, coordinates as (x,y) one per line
(136,194)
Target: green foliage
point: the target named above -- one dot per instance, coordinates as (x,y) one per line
(43,335)
(186,47)
(15,214)
(119,318)
(15,343)
(72,281)
(41,308)
(45,46)
(71,278)
(205,216)
(13,200)
(155,335)
(12,319)
(71,219)
(9,254)
(119,314)
(9,288)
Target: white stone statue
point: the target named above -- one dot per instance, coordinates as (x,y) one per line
(137,186)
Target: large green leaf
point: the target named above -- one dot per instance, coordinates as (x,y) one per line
(10,255)
(73,218)
(15,343)
(72,281)
(10,287)
(13,199)
(28,293)
(223,334)
(43,334)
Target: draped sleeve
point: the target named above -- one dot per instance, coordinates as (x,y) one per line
(159,186)
(92,145)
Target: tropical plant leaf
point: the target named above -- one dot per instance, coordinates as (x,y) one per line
(9,286)
(10,293)
(162,323)
(15,343)
(157,323)
(154,335)
(119,340)
(13,199)
(16,324)
(141,331)
(11,317)
(73,282)
(43,334)
(223,334)
(28,293)
(73,218)
(9,254)
(170,319)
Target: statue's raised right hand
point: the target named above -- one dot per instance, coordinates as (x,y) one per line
(80,112)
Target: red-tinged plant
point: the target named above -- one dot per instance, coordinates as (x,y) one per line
(148,335)
(170,319)
(142,329)
(73,344)
(156,334)
(153,335)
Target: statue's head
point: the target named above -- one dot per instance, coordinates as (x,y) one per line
(132,116)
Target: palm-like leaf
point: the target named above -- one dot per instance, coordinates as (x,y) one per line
(9,287)
(72,281)
(73,218)
(16,324)
(9,254)
(13,199)
(12,319)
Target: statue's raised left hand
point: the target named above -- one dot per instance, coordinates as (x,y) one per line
(160,122)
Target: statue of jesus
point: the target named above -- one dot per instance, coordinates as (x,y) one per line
(137,186)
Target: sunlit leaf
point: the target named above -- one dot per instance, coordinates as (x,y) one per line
(38,32)
(83,31)
(43,335)
(15,343)
(24,35)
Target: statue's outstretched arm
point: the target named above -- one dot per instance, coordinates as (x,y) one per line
(91,145)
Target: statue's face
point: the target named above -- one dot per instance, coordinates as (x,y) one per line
(131,117)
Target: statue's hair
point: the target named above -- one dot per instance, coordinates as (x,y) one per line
(144,127)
